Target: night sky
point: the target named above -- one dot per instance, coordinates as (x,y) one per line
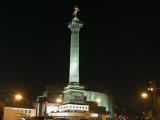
(119,45)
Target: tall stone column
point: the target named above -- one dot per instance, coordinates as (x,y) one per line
(73,93)
(75,27)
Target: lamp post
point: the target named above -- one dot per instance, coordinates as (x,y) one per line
(152,88)
(144,95)
(12,97)
(155,92)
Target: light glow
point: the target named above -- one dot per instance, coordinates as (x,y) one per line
(144,95)
(58,100)
(18,97)
(94,115)
(98,100)
(151,89)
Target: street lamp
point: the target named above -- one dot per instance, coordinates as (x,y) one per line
(154,90)
(10,98)
(150,89)
(18,97)
(144,95)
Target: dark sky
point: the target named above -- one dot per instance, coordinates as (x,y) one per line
(119,44)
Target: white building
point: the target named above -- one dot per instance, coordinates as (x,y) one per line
(11,113)
(102,99)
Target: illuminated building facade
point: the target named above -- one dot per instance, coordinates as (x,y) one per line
(11,113)
(102,99)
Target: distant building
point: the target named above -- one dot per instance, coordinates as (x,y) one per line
(11,113)
(94,102)
(102,99)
